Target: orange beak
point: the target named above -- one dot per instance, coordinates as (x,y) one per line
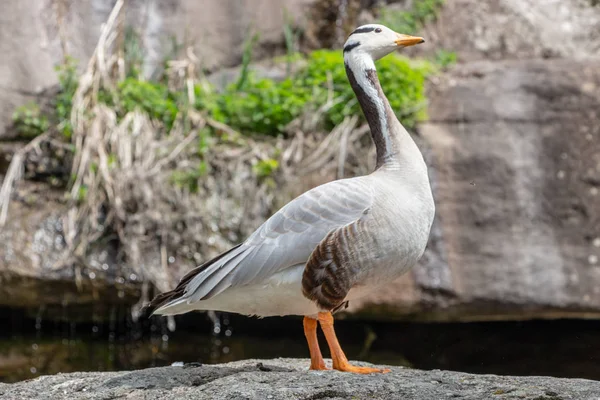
(406,40)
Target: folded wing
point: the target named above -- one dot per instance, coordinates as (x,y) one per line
(286,239)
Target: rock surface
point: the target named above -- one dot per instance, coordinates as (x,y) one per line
(289,379)
(35,267)
(515,29)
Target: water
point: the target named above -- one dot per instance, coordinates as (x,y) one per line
(34,347)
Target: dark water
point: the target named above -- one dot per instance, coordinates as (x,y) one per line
(31,346)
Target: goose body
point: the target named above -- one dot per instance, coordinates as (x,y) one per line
(392,236)
(336,242)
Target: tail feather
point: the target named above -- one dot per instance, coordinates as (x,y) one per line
(181,288)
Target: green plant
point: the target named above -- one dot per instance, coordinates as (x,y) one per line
(445,58)
(82,193)
(153,98)
(190,178)
(266,106)
(402,80)
(251,104)
(246,58)
(410,21)
(265,168)
(133,52)
(291,38)
(29,121)
(67,81)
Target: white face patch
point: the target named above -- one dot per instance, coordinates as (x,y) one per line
(375,40)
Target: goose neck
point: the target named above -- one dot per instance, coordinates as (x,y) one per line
(385,128)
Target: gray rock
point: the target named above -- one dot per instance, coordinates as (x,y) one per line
(515,29)
(289,379)
(36,270)
(514,150)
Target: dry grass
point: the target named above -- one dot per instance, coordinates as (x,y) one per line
(123,169)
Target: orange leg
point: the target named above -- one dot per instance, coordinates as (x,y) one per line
(340,362)
(310,331)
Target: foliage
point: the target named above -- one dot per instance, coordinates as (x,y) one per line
(133,52)
(29,121)
(154,98)
(252,105)
(291,39)
(190,178)
(249,105)
(265,106)
(67,81)
(265,168)
(410,21)
(246,58)
(445,58)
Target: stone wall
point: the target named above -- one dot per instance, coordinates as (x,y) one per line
(513,143)
(515,158)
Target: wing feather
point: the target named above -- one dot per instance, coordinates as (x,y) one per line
(286,239)
(219,278)
(301,225)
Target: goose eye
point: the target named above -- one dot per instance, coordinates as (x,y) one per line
(377,30)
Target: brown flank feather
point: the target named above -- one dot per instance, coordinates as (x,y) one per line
(329,275)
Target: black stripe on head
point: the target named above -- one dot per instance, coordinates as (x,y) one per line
(349,47)
(363,30)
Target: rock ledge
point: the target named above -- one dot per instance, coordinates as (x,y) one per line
(289,379)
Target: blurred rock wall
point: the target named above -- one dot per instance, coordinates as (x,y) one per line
(513,144)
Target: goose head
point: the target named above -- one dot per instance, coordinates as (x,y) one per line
(377,41)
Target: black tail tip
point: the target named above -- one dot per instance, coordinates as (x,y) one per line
(146,311)
(149,309)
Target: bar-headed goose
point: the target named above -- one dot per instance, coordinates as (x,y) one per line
(335,242)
